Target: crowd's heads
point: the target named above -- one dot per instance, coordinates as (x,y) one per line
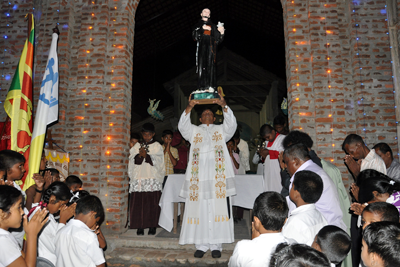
(54,173)
(148,132)
(377,189)
(294,156)
(333,242)
(267,132)
(271,209)
(298,255)
(8,161)
(73,182)
(296,137)
(308,185)
(236,136)
(379,211)
(78,195)
(90,204)
(381,244)
(135,137)
(367,174)
(8,197)
(280,123)
(385,152)
(56,195)
(354,146)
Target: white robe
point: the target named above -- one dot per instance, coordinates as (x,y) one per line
(272,169)
(145,177)
(202,165)
(244,155)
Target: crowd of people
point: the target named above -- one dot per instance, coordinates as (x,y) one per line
(305,217)
(306,214)
(53,223)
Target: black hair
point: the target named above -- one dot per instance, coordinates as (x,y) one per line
(135,136)
(72,179)
(58,189)
(148,128)
(384,148)
(9,158)
(237,134)
(334,243)
(387,211)
(383,239)
(280,120)
(78,195)
(367,174)
(271,209)
(230,140)
(309,184)
(352,139)
(167,132)
(9,195)
(53,171)
(296,137)
(266,129)
(381,184)
(298,255)
(299,151)
(90,203)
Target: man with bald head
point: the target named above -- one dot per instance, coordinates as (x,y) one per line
(296,158)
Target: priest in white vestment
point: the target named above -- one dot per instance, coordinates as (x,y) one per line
(209,181)
(272,169)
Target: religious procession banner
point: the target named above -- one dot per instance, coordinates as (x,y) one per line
(58,160)
(47,111)
(18,104)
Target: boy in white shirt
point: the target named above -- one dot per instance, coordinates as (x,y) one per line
(77,243)
(305,221)
(269,214)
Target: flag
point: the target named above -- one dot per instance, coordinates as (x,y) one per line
(18,104)
(46,111)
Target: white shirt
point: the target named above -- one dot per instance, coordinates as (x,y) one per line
(47,237)
(328,204)
(256,252)
(374,162)
(77,245)
(304,224)
(9,248)
(244,155)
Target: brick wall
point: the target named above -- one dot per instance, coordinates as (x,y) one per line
(97,108)
(332,98)
(95,99)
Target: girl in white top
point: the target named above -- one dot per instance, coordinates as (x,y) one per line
(11,216)
(54,199)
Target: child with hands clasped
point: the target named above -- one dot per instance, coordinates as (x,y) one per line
(234,156)
(54,200)
(77,243)
(11,216)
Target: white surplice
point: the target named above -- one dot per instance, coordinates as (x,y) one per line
(146,177)
(272,169)
(244,155)
(206,218)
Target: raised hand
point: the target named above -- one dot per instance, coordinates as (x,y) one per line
(34,226)
(39,181)
(358,208)
(221,101)
(353,166)
(66,213)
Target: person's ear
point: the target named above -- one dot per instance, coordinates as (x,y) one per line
(200,120)
(297,162)
(214,119)
(387,154)
(375,193)
(257,222)
(153,134)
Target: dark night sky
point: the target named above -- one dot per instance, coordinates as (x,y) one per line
(151,72)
